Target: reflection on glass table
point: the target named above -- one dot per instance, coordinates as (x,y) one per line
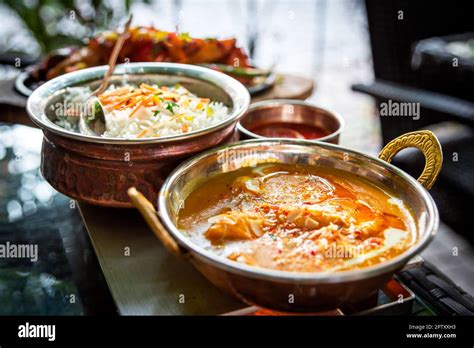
(47,265)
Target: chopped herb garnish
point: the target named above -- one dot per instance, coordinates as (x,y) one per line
(156,112)
(97,112)
(160,98)
(170,106)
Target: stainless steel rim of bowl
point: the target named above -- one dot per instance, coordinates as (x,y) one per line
(277,102)
(300,277)
(236,91)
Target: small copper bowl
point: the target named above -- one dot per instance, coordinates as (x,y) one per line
(286,111)
(98,170)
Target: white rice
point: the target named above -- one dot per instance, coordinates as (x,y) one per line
(187,114)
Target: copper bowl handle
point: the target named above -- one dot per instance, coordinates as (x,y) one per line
(146,208)
(428,144)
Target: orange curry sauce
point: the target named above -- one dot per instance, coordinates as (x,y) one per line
(297,218)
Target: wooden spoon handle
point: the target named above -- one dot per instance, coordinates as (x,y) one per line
(113,58)
(146,208)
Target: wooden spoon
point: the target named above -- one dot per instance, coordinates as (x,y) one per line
(93,122)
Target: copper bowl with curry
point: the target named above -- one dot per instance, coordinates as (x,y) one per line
(289,118)
(98,169)
(297,225)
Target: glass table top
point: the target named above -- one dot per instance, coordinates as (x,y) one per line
(57,273)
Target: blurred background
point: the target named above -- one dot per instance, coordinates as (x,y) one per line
(359,54)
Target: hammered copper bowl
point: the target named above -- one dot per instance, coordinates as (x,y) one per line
(297,291)
(98,170)
(277,111)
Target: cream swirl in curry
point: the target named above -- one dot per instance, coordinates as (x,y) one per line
(297,218)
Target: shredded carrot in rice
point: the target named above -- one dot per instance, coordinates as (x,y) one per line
(163,103)
(135,98)
(143,102)
(142,133)
(149,88)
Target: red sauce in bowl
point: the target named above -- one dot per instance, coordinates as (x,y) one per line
(290,130)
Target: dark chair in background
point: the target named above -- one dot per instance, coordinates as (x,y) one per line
(409,68)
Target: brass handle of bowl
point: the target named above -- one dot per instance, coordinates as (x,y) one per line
(428,144)
(146,208)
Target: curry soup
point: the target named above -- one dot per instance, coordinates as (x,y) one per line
(297,218)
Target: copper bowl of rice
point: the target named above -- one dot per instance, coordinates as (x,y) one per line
(143,141)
